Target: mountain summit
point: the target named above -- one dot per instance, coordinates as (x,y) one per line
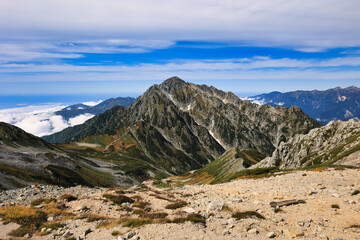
(178,126)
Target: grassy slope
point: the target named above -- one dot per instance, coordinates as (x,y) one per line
(226,167)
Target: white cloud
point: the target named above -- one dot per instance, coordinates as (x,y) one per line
(80,119)
(91,104)
(259,101)
(40,120)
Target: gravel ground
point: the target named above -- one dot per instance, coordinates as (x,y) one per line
(314,219)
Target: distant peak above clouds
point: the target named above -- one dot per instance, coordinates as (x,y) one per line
(46,119)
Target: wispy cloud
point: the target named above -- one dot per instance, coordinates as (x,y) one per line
(236,68)
(24,51)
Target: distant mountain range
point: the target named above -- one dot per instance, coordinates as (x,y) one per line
(178,126)
(324,106)
(78,109)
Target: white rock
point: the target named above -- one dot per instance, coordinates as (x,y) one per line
(253,231)
(189,210)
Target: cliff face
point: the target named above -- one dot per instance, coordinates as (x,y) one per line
(338,142)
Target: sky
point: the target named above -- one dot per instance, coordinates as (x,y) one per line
(83,47)
(59,52)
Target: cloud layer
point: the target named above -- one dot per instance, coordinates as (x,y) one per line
(304,24)
(40,120)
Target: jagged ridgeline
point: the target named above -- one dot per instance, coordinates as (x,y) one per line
(178,126)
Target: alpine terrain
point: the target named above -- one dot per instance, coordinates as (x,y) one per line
(177,126)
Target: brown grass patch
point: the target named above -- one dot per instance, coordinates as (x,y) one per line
(176,205)
(107,224)
(247,214)
(42,201)
(118,199)
(141,204)
(68,197)
(29,219)
(202,178)
(132,223)
(193,217)
(95,217)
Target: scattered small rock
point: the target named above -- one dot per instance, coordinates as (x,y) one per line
(271,235)
(253,231)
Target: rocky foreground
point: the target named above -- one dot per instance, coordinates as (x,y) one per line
(236,210)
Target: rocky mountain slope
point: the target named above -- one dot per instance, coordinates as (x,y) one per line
(177,126)
(15,137)
(336,143)
(26,159)
(78,109)
(324,106)
(237,210)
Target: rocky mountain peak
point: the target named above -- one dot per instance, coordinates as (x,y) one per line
(354,88)
(173,82)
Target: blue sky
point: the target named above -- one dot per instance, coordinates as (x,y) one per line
(121,48)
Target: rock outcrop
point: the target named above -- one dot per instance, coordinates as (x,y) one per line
(336,143)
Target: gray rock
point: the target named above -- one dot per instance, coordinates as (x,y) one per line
(231,221)
(67,234)
(131,234)
(336,195)
(215,206)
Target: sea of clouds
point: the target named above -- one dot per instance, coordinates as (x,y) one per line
(41,120)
